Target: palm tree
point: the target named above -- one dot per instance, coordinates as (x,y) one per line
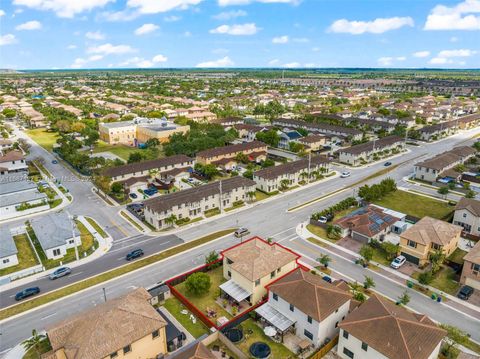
(333,232)
(284,184)
(171,219)
(34,342)
(303,175)
(368,282)
(325,260)
(404,298)
(251,195)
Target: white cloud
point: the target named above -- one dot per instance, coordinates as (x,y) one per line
(223,62)
(377,26)
(63,8)
(159,58)
(187,34)
(456,53)
(146,29)
(95,57)
(109,49)
(421,54)
(246,2)
(95,35)
(71,47)
(388,61)
(81,62)
(440,61)
(458,17)
(292,65)
(315,49)
(2,13)
(273,62)
(227,15)
(453,39)
(245,29)
(140,62)
(124,15)
(7,39)
(280,39)
(171,18)
(156,6)
(29,25)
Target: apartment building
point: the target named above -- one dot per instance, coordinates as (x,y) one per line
(124,327)
(428,235)
(313,143)
(467,215)
(471,268)
(255,150)
(379,329)
(289,174)
(192,203)
(371,151)
(432,168)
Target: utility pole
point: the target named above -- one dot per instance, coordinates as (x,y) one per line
(309,165)
(221,196)
(72,219)
(104,294)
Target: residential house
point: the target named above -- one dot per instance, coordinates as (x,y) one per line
(471,268)
(13,161)
(367,223)
(434,132)
(274,178)
(467,215)
(8,249)
(313,143)
(372,125)
(371,151)
(193,202)
(288,136)
(56,234)
(432,168)
(5,144)
(308,304)
(248,133)
(428,235)
(250,266)
(201,116)
(379,329)
(256,151)
(124,327)
(196,350)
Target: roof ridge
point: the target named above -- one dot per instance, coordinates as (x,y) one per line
(421,323)
(367,319)
(402,336)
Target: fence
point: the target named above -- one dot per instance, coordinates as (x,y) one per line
(224,340)
(325,349)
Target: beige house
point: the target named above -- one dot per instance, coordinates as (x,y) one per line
(427,235)
(251,265)
(471,268)
(125,327)
(313,142)
(467,215)
(372,151)
(255,151)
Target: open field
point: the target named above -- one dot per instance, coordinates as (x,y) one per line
(43,138)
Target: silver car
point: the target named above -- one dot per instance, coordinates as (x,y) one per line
(60,272)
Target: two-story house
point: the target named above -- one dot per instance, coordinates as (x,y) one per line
(467,215)
(13,161)
(471,268)
(428,235)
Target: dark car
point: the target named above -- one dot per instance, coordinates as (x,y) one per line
(60,272)
(54,162)
(388,164)
(327,279)
(133,195)
(27,292)
(465,292)
(134,254)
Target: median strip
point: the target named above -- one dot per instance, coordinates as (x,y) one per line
(103,277)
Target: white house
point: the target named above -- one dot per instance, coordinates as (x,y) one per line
(467,215)
(8,250)
(13,161)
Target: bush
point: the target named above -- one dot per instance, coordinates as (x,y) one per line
(198,283)
(425,278)
(377,191)
(340,206)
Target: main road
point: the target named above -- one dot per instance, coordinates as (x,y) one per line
(270,218)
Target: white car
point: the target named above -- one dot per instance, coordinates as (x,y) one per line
(323,219)
(345,174)
(398,262)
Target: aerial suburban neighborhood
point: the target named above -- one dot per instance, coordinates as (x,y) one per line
(314,192)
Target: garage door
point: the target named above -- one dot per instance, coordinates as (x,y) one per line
(410,258)
(472,283)
(359,237)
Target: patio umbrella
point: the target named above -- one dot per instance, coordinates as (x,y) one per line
(270,331)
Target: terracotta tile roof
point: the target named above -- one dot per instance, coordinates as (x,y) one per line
(470,204)
(445,159)
(430,230)
(254,259)
(392,330)
(195,351)
(312,139)
(106,328)
(319,298)
(12,156)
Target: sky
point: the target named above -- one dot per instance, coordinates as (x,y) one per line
(61,34)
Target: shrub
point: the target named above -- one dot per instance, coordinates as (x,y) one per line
(425,278)
(198,283)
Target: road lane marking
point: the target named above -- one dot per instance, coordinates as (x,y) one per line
(48,316)
(74,274)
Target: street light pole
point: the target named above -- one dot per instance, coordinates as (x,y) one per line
(221,196)
(104,294)
(309,166)
(73,218)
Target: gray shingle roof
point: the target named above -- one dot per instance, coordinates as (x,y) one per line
(21,197)
(53,230)
(7,244)
(15,182)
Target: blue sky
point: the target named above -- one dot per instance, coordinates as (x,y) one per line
(49,34)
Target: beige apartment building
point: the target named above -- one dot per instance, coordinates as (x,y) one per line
(125,327)
(427,235)
(255,150)
(371,151)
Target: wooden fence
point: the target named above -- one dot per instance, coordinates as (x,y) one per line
(325,349)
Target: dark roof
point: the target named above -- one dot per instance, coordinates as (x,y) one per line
(166,202)
(232,149)
(146,165)
(290,167)
(320,127)
(445,159)
(171,331)
(470,204)
(370,122)
(368,221)
(311,138)
(369,146)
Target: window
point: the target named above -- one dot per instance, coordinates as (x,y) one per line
(56,252)
(6,260)
(257,282)
(309,319)
(70,241)
(279,269)
(336,325)
(436,246)
(308,334)
(364,346)
(292,308)
(475,268)
(464,215)
(155,334)
(348,353)
(229,274)
(275,296)
(229,261)
(272,275)
(412,244)
(127,349)
(345,334)
(114,355)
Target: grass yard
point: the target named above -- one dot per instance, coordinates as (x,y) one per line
(380,256)
(444,280)
(207,300)
(320,232)
(317,242)
(457,256)
(26,256)
(211,212)
(122,151)
(415,205)
(174,306)
(260,196)
(97,227)
(43,137)
(279,351)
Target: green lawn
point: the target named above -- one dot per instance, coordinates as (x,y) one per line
(320,232)
(26,256)
(444,280)
(208,300)
(212,212)
(415,205)
(259,195)
(130,219)
(174,306)
(122,151)
(97,227)
(457,256)
(380,256)
(43,137)
(279,351)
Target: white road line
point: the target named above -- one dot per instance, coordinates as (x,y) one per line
(48,316)
(74,274)
(276,234)
(135,244)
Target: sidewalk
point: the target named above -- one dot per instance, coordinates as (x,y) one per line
(390,273)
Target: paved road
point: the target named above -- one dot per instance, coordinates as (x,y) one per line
(267,219)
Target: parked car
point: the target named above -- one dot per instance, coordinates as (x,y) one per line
(150,191)
(54,162)
(386,164)
(323,219)
(134,254)
(398,262)
(241,232)
(345,174)
(465,292)
(327,279)
(133,195)
(27,292)
(60,272)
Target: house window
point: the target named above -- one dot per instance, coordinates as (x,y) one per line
(292,308)
(475,268)
(436,246)
(127,349)
(275,296)
(272,275)
(364,346)
(229,261)
(155,334)
(71,241)
(56,252)
(257,282)
(464,215)
(348,353)
(336,325)
(308,334)
(345,334)
(113,355)
(229,274)
(412,244)
(279,269)
(309,319)
(6,260)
